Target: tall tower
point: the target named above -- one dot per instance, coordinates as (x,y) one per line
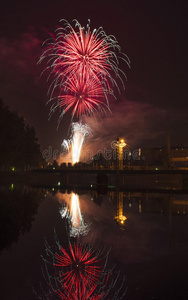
(120,144)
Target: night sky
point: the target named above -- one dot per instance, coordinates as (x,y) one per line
(152,33)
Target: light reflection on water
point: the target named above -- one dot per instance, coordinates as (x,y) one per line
(150,244)
(70,209)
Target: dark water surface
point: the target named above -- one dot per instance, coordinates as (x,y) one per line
(150,249)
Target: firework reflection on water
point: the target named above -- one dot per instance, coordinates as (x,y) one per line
(71,211)
(78,271)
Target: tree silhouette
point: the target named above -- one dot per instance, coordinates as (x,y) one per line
(19,145)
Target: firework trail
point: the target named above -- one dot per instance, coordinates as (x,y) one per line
(77,225)
(78,57)
(78,132)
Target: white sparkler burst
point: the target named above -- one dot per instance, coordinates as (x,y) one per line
(78,131)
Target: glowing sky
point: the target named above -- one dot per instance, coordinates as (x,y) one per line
(152,33)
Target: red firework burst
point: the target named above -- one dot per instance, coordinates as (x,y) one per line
(83,51)
(83,95)
(87,56)
(80,269)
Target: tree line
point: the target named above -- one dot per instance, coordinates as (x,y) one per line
(19,145)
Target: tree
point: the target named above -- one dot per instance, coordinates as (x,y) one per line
(19,145)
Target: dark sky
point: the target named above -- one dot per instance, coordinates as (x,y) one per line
(152,33)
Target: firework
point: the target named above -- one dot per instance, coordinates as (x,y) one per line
(78,133)
(82,95)
(81,60)
(66,145)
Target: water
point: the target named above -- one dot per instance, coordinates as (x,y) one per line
(150,249)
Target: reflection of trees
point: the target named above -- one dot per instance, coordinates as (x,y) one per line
(17,210)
